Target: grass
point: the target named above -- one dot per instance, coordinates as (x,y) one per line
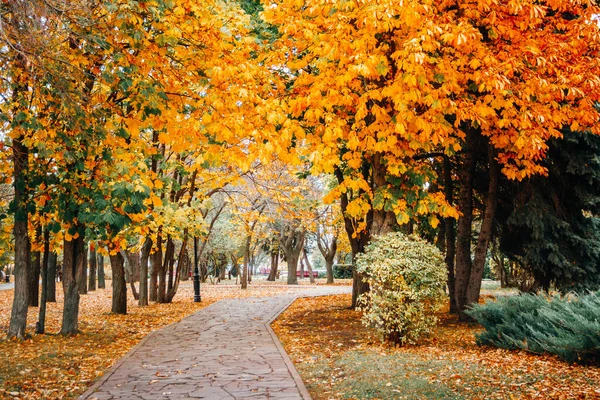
(339,358)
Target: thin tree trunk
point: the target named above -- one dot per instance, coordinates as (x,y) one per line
(450,235)
(146,248)
(93,268)
(244,277)
(309,267)
(155,266)
(72,260)
(131,264)
(181,260)
(34,279)
(274,267)
(162,273)
(101,277)
(51,290)
(119,286)
(41,324)
(84,274)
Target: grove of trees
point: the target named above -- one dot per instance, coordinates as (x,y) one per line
(163,135)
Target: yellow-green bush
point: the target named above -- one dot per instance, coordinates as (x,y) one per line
(407,277)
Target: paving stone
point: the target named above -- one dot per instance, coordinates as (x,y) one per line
(224,351)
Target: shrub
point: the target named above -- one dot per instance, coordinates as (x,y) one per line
(407,277)
(567,326)
(342,271)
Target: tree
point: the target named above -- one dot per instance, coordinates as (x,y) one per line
(373,100)
(550,225)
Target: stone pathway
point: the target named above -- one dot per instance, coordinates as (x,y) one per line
(224,351)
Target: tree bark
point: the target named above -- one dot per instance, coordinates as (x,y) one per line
(101,277)
(450,234)
(155,266)
(244,278)
(131,265)
(34,279)
(328,251)
(72,260)
(291,241)
(51,291)
(274,266)
(84,272)
(309,267)
(93,268)
(181,260)
(119,286)
(146,248)
(485,233)
(41,324)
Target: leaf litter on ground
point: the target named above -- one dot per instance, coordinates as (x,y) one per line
(52,366)
(339,358)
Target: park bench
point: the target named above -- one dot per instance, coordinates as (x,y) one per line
(307,274)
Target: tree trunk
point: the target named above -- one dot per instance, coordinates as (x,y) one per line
(101,277)
(291,241)
(309,267)
(450,235)
(34,279)
(181,260)
(485,233)
(93,268)
(274,267)
(244,277)
(131,265)
(119,292)
(41,324)
(146,248)
(162,273)
(463,263)
(155,266)
(51,290)
(329,269)
(72,267)
(84,271)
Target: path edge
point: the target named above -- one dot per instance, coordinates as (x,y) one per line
(108,373)
(286,358)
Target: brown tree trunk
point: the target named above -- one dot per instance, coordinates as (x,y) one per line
(93,262)
(463,262)
(131,265)
(18,317)
(101,277)
(181,260)
(155,266)
(84,271)
(274,267)
(244,277)
(291,241)
(146,248)
(119,286)
(51,291)
(40,327)
(485,233)
(309,267)
(72,267)
(162,273)
(450,235)
(34,279)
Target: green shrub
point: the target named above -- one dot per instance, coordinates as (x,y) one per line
(567,326)
(407,277)
(342,271)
